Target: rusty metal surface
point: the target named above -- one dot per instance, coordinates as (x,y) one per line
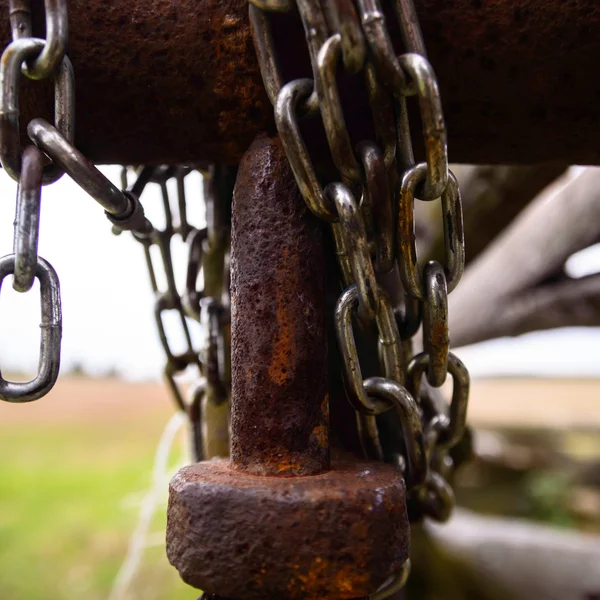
(336,535)
(165,82)
(398,596)
(279,340)
(250,528)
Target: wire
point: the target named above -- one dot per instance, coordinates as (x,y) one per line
(138,539)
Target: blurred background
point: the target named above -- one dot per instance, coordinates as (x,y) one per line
(83,474)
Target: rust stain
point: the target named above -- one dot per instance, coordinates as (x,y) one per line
(322,435)
(283,357)
(277,274)
(192,62)
(325,406)
(225,534)
(345,580)
(291,467)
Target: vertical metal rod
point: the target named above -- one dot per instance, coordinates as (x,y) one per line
(279,345)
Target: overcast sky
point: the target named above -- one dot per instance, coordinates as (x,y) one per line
(107,301)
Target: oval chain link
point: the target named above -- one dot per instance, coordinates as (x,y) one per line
(38,59)
(436,340)
(57,34)
(13,58)
(388,336)
(27,219)
(51,332)
(353,249)
(406,239)
(453,432)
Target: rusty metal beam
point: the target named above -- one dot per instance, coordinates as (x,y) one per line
(170,81)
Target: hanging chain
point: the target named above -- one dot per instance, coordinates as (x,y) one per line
(37,59)
(44,59)
(208,305)
(53,154)
(370,249)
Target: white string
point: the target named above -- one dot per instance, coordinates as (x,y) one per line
(138,539)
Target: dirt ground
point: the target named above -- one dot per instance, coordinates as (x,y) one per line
(544,403)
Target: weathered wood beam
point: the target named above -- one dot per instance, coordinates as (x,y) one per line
(492,196)
(517,284)
(178,80)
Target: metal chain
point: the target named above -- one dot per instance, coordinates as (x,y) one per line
(208,247)
(208,259)
(370,249)
(37,59)
(42,59)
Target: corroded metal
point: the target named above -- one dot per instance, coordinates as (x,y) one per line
(161,82)
(251,528)
(279,344)
(336,535)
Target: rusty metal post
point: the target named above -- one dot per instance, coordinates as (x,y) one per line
(279,337)
(277,521)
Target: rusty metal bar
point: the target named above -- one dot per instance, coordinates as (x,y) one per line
(279,415)
(164,82)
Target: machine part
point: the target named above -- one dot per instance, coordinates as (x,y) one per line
(279,344)
(335,535)
(275,521)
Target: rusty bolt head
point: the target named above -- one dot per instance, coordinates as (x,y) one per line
(335,535)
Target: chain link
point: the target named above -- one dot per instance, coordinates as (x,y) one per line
(436,339)
(13,58)
(57,34)
(27,219)
(406,239)
(51,328)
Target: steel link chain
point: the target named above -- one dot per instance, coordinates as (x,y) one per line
(368,245)
(208,247)
(208,259)
(41,59)
(37,59)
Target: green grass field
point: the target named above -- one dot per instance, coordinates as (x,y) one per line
(69,501)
